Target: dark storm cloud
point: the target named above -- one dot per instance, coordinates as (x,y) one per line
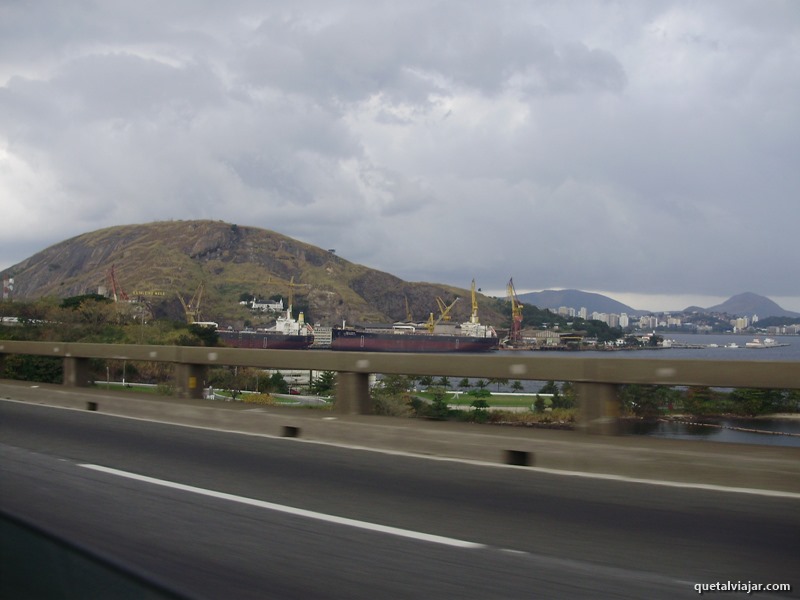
(636,147)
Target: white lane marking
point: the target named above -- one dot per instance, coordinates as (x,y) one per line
(299,512)
(584,474)
(674,484)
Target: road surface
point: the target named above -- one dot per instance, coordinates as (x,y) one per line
(221,515)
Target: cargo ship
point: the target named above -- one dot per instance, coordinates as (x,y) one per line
(287,334)
(470,336)
(407,338)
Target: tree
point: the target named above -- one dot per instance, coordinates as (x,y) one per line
(480,412)
(517,386)
(444,381)
(438,408)
(33,368)
(74,302)
(464,384)
(425,380)
(498,381)
(645,400)
(699,400)
(752,402)
(395,384)
(277,384)
(551,387)
(228,378)
(207,336)
(324,384)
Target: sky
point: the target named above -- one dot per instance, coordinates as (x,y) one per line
(649,151)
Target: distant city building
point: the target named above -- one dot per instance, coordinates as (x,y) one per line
(740,323)
(8,287)
(546,338)
(265,306)
(648,322)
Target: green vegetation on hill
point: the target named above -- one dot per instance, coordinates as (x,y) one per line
(154,264)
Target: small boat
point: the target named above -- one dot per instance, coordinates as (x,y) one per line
(765,343)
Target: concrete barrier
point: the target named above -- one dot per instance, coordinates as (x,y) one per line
(597,379)
(678,461)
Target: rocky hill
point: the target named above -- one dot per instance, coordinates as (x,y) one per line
(158,264)
(554,299)
(749,304)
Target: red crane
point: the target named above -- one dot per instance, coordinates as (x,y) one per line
(116,289)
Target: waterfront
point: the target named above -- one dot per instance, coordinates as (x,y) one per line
(710,347)
(763,431)
(713,347)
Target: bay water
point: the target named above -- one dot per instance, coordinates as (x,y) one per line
(783,431)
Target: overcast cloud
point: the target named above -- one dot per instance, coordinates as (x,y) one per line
(646,150)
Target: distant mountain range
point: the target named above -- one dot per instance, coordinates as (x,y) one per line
(162,263)
(741,305)
(749,304)
(554,299)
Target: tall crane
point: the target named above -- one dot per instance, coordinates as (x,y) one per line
(117,292)
(516,314)
(473,318)
(444,310)
(431,324)
(409,318)
(192,308)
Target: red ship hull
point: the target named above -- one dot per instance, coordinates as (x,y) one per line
(369,341)
(265,340)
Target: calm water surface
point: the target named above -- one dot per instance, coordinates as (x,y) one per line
(791,351)
(713,347)
(773,432)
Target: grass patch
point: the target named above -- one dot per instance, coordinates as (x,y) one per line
(494,400)
(155,390)
(558,418)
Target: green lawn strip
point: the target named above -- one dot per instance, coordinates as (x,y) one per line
(130,387)
(497,400)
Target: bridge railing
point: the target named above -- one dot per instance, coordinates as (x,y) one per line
(596,379)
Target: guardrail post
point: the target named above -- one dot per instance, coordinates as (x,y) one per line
(598,408)
(352,394)
(189,380)
(76,372)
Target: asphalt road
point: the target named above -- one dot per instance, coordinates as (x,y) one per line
(222,515)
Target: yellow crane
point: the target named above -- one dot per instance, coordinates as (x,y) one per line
(409,318)
(444,310)
(431,324)
(473,318)
(192,308)
(516,314)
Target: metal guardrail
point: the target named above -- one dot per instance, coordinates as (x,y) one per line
(596,379)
